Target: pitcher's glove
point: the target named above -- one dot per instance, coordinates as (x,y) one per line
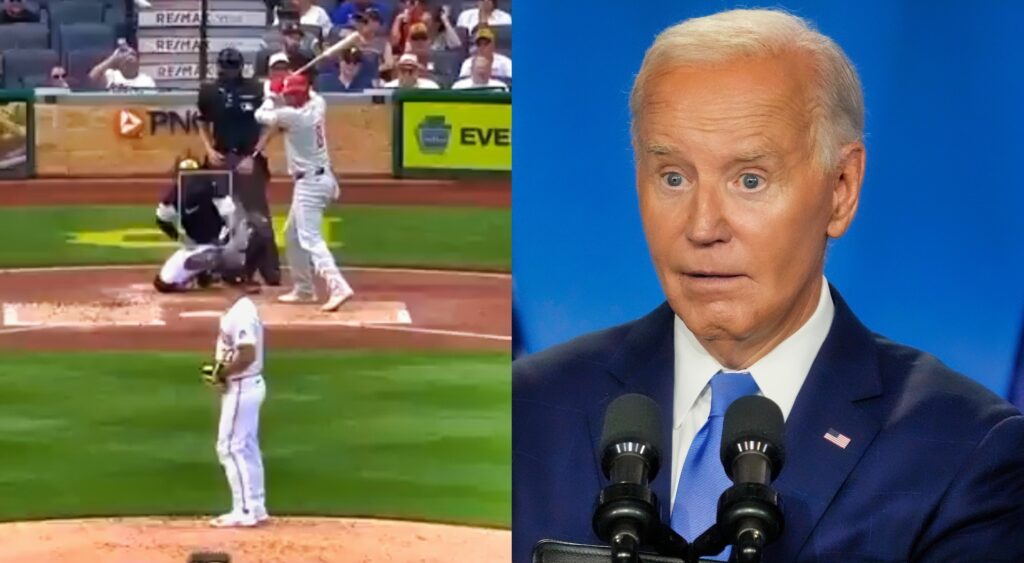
(213,375)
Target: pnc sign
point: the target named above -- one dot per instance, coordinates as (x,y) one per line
(133,123)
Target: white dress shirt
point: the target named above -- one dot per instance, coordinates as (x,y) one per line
(779,375)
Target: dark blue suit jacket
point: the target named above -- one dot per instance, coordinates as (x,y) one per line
(934,470)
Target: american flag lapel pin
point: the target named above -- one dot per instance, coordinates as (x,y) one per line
(836,438)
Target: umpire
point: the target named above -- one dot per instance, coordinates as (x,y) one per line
(235,141)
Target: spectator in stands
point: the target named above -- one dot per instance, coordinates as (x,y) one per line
(501,66)
(368,24)
(343,13)
(442,33)
(409,75)
(486,12)
(420,45)
(58,78)
(309,14)
(278,68)
(120,71)
(349,78)
(412,13)
(15,11)
(480,79)
(298,46)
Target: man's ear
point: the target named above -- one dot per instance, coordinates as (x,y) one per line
(846,184)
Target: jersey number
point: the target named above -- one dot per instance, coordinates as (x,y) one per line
(320,135)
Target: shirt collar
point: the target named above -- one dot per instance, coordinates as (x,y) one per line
(779,374)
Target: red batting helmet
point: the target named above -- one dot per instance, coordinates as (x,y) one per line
(297,86)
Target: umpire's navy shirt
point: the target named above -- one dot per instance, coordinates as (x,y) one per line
(231,107)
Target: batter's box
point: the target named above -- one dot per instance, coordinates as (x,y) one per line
(352,313)
(88,315)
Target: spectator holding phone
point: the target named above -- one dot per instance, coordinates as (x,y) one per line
(412,12)
(120,71)
(440,30)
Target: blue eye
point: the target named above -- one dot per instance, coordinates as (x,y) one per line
(751,181)
(673,179)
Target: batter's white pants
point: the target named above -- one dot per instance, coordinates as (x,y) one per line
(174,270)
(306,248)
(238,446)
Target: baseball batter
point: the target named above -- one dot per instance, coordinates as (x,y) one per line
(238,373)
(301,117)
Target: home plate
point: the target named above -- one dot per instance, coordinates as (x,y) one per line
(200,314)
(80,314)
(352,313)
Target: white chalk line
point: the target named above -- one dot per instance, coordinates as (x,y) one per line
(25,329)
(275,179)
(115,267)
(441,332)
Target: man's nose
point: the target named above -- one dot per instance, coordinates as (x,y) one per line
(705,221)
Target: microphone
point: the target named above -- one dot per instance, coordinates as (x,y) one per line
(753,455)
(627,513)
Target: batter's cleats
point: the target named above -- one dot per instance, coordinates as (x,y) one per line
(336,300)
(261,515)
(234,520)
(296,296)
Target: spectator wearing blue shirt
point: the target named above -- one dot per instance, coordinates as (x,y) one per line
(349,77)
(342,14)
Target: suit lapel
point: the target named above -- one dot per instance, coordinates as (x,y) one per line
(834,397)
(645,365)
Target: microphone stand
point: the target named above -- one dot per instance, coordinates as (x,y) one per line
(737,507)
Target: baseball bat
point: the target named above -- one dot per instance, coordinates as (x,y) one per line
(338,47)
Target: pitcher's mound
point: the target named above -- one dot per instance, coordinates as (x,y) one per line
(291,540)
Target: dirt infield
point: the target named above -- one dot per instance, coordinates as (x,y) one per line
(355,190)
(291,540)
(116,308)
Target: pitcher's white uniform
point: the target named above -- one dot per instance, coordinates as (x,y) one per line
(238,446)
(315,187)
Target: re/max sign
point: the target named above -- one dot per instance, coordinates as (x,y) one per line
(486,136)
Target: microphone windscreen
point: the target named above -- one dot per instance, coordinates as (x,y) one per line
(632,418)
(755,418)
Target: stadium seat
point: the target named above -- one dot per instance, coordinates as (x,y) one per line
(327,82)
(447,65)
(80,61)
(114,14)
(24,36)
(73,37)
(76,11)
(260,67)
(503,39)
(34,80)
(19,63)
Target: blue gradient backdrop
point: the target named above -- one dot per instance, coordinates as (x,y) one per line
(935,258)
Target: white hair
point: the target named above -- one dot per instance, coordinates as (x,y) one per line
(838,105)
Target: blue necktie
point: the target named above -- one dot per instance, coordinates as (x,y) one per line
(703,479)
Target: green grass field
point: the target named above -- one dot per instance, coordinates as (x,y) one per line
(403,435)
(406,236)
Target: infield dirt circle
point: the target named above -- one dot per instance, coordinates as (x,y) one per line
(289,540)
